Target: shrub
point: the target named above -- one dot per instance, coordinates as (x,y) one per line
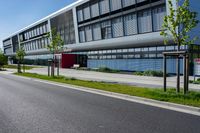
(149,73)
(3,60)
(153,73)
(106,69)
(138,73)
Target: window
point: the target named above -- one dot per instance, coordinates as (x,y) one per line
(115,4)
(152,49)
(82,34)
(139,1)
(145,21)
(41,30)
(158,18)
(161,48)
(104,6)
(95,10)
(97,31)
(44,29)
(38,31)
(106,30)
(117,27)
(128,3)
(88,32)
(86,11)
(80,15)
(130,24)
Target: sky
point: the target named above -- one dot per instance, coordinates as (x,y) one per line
(17,14)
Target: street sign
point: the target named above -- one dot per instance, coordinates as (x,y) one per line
(197,67)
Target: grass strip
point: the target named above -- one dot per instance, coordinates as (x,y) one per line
(15,67)
(191,99)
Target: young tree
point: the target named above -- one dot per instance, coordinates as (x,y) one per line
(20,57)
(3,59)
(55,46)
(178,24)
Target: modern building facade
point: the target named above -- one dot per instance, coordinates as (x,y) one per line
(118,34)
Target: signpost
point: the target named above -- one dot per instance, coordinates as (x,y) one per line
(196,67)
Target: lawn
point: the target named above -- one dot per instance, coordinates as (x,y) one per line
(15,67)
(191,99)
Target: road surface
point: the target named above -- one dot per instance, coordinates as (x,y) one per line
(28,106)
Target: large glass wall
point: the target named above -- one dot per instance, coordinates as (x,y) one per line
(64,25)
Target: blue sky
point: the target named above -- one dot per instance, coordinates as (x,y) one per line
(16,14)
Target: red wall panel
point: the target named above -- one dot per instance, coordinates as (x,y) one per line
(68,60)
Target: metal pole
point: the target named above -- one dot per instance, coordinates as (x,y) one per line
(187,70)
(48,68)
(185,75)
(58,65)
(178,74)
(165,73)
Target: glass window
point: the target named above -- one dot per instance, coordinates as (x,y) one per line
(117,27)
(130,24)
(106,30)
(88,32)
(80,15)
(130,56)
(82,34)
(128,3)
(137,56)
(144,49)
(41,30)
(152,55)
(161,48)
(38,31)
(145,21)
(115,4)
(104,6)
(86,11)
(44,29)
(170,47)
(152,49)
(137,49)
(97,31)
(138,1)
(158,18)
(95,10)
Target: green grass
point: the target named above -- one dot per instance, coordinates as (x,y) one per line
(192,98)
(15,67)
(195,82)
(149,73)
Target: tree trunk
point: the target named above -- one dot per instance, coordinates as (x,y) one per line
(178,71)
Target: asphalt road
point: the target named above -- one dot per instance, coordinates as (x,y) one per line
(28,106)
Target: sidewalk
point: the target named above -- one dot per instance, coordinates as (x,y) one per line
(143,81)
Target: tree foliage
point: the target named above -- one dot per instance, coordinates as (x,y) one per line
(56,43)
(3,59)
(20,55)
(179,22)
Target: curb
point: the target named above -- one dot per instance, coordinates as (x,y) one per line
(146,101)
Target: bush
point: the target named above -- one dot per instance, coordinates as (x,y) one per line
(198,79)
(106,69)
(153,73)
(3,60)
(150,73)
(138,73)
